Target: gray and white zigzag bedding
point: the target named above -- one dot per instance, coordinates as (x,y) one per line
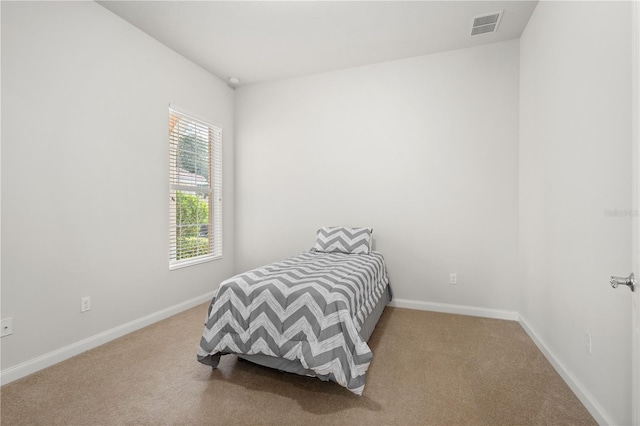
(343,239)
(308,308)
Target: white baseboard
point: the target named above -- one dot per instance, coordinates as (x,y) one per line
(590,403)
(455,309)
(36,364)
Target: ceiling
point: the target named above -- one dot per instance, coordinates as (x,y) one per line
(258,41)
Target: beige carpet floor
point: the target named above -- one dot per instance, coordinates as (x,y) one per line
(428,369)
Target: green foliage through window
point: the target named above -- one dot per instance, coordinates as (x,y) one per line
(194,154)
(192,215)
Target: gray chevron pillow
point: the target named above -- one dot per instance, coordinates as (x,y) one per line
(344,240)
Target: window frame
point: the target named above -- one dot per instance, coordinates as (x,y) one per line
(214,188)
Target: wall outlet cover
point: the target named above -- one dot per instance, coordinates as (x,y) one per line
(6,327)
(85,304)
(588,342)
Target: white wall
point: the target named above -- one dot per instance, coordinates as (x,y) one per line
(84,174)
(575,163)
(424,150)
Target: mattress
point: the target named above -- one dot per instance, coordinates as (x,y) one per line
(315,310)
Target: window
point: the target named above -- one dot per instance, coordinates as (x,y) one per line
(195,190)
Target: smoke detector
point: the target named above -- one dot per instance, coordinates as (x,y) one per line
(484,24)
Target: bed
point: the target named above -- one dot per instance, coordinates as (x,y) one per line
(310,314)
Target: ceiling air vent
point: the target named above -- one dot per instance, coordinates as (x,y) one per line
(486,23)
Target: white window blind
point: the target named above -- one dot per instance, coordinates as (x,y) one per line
(195,190)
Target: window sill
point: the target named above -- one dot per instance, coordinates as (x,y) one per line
(196,261)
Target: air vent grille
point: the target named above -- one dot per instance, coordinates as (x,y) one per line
(486,23)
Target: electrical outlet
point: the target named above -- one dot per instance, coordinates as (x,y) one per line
(453,278)
(6,327)
(587,341)
(85,304)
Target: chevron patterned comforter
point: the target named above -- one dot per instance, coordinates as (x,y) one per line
(308,308)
